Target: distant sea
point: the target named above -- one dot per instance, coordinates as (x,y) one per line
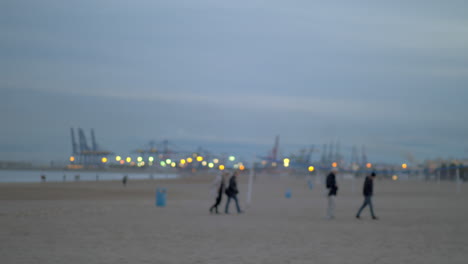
(71,176)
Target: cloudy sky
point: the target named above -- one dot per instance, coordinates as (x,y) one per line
(231,75)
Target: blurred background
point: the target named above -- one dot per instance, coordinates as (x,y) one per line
(337,81)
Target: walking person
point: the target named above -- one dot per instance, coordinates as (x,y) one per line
(124,180)
(217,190)
(232,192)
(332,191)
(368,192)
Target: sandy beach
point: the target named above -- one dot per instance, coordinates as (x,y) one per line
(104,222)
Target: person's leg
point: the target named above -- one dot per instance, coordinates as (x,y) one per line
(237,203)
(227,205)
(218,201)
(329,208)
(362,207)
(333,205)
(369,201)
(213,206)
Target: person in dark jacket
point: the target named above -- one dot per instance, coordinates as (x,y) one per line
(368,191)
(232,192)
(332,191)
(124,180)
(219,185)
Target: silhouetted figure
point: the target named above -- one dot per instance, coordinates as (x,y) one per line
(332,191)
(368,191)
(124,180)
(232,192)
(43,178)
(218,189)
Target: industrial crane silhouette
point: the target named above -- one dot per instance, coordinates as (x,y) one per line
(86,155)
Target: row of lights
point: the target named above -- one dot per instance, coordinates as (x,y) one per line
(286,162)
(151,159)
(169,162)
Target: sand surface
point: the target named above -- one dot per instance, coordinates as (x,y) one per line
(103,222)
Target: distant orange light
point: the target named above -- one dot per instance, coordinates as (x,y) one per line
(221,167)
(122,162)
(104,160)
(72,159)
(189,160)
(404,165)
(311,168)
(241,167)
(199,158)
(369,165)
(334,164)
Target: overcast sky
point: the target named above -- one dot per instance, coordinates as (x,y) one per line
(231,75)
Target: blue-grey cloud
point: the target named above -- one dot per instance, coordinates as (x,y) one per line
(391,75)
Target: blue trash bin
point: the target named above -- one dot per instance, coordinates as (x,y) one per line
(288,194)
(161,197)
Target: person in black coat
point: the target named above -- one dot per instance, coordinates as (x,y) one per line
(331,184)
(368,191)
(332,191)
(232,192)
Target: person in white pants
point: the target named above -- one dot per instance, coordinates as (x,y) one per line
(333,189)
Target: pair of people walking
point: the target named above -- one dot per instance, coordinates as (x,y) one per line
(231,191)
(368,191)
